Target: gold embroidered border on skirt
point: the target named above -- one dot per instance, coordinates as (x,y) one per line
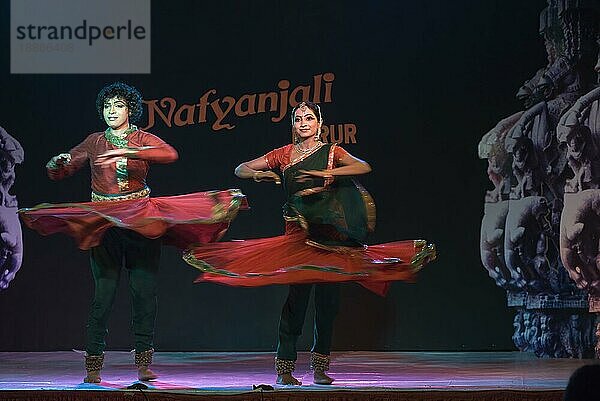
(142,193)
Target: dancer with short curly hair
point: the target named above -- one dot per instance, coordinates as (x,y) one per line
(123,227)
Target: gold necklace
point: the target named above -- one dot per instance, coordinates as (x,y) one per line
(305,151)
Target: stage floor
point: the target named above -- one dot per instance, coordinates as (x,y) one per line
(234,373)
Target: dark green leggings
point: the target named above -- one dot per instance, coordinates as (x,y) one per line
(140,256)
(327,299)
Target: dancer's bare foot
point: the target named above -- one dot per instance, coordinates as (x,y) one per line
(288,380)
(146,374)
(93,376)
(322,378)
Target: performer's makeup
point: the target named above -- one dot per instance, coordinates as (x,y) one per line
(116,113)
(306,123)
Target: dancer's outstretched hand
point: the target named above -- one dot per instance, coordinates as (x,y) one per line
(308,175)
(58,160)
(111,156)
(266,176)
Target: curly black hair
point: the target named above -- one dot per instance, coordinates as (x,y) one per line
(130,94)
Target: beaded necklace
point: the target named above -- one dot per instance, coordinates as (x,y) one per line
(120,140)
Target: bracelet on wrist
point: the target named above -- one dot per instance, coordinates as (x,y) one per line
(131,153)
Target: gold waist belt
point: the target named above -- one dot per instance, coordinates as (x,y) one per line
(142,193)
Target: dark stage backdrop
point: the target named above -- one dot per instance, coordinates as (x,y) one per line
(414,83)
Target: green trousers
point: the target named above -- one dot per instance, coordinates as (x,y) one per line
(327,299)
(140,256)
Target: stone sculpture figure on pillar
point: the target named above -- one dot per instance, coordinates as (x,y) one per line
(582,157)
(579,128)
(492,148)
(11,241)
(537,170)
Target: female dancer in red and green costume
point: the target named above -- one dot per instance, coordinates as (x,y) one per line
(328,216)
(122,224)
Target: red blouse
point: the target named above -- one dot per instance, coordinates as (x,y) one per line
(281,157)
(104,178)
